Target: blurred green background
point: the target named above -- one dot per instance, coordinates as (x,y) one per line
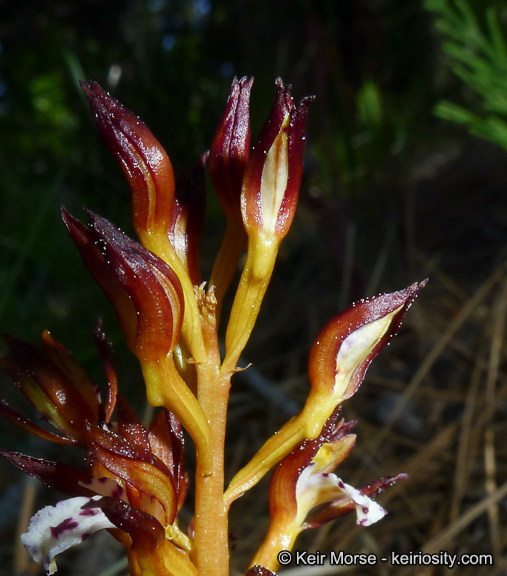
(405,170)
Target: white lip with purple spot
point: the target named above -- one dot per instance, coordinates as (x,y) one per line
(57,528)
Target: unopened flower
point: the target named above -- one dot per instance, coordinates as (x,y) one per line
(227,163)
(142,158)
(269,198)
(230,148)
(275,167)
(144,290)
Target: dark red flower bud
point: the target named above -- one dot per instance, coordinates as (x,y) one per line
(230,147)
(144,290)
(142,158)
(275,167)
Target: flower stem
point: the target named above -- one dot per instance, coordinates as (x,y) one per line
(252,288)
(211,545)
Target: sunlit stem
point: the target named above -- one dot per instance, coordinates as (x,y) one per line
(211,547)
(165,387)
(233,245)
(252,288)
(306,425)
(279,537)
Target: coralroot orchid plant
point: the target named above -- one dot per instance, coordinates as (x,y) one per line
(133,481)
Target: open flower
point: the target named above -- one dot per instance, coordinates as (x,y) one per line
(127,466)
(305,493)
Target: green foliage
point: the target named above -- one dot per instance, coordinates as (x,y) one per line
(479,59)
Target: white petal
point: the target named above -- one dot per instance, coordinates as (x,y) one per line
(56,528)
(314,488)
(367,510)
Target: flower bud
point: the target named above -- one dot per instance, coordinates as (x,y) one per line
(141,157)
(273,174)
(229,150)
(144,290)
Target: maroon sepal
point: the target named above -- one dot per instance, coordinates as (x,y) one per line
(140,469)
(58,476)
(141,527)
(144,290)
